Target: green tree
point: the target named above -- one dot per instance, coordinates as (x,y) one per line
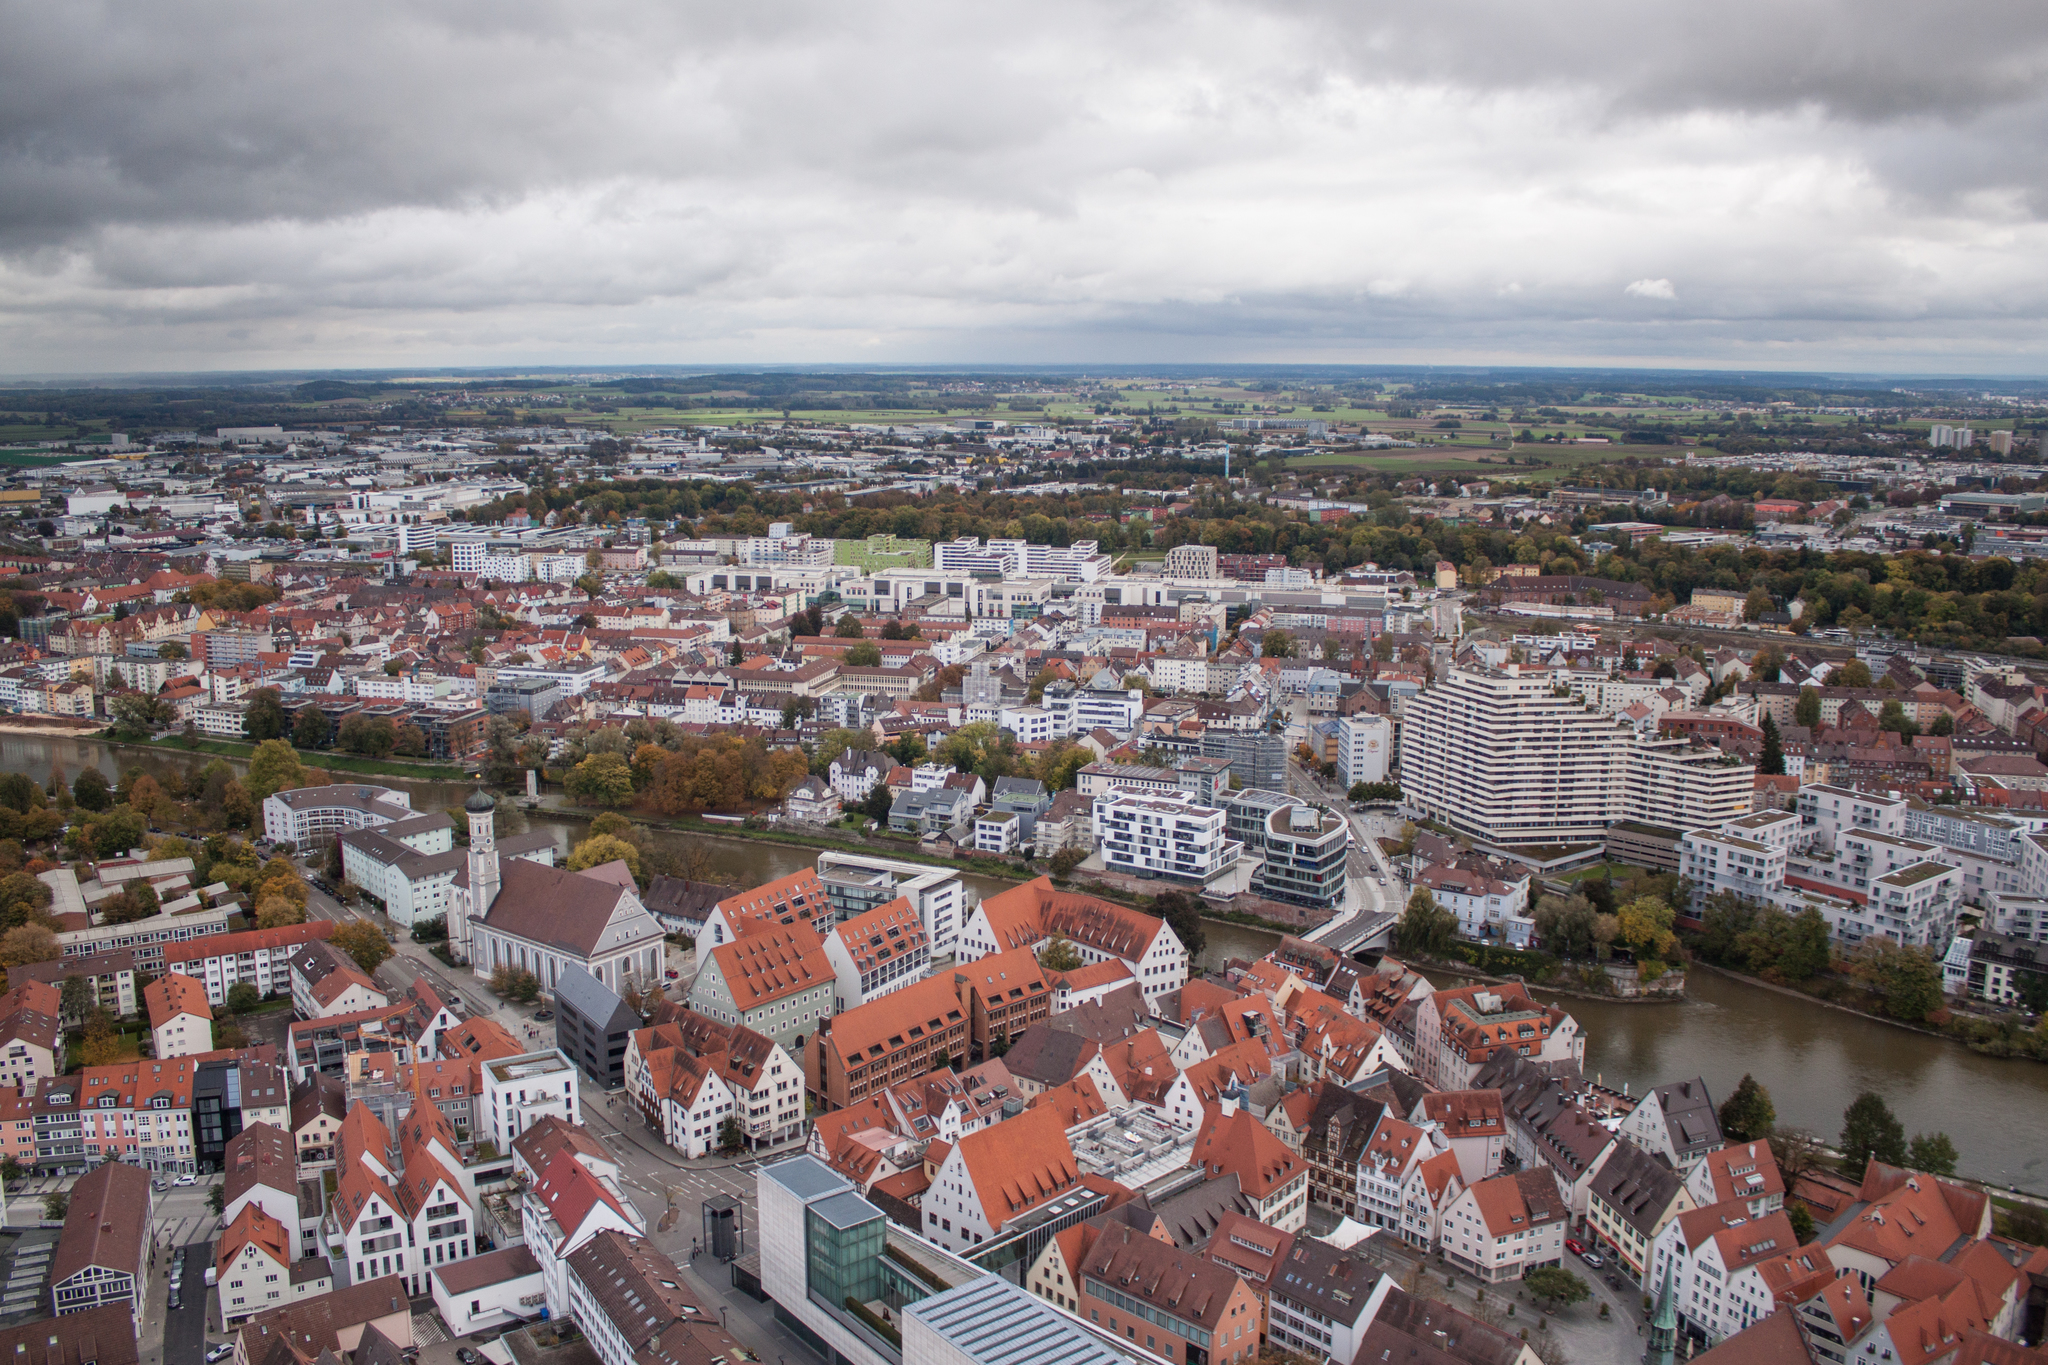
(731,1137)
(603,779)
(1943,724)
(599,849)
(1425,927)
(91,791)
(1908,978)
(1808,948)
(217,1199)
(1892,716)
(1933,1153)
(75,996)
(273,768)
(311,728)
(866,654)
(23,900)
(243,997)
(265,717)
(1758,603)
(1564,925)
(1276,644)
(1772,763)
(1855,673)
(116,831)
(1555,1287)
(1066,860)
(1801,1219)
(1182,912)
(1806,711)
(1058,955)
(1645,925)
(876,807)
(56,1204)
(137,715)
(1748,1115)
(850,628)
(1870,1132)
(364,942)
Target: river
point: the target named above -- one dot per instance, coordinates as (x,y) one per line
(1813,1059)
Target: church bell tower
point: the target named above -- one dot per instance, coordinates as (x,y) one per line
(483,869)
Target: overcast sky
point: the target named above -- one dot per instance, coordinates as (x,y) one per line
(1753,183)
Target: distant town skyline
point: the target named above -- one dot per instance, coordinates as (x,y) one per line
(1777,186)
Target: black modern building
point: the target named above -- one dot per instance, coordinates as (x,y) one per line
(220,1092)
(593,1026)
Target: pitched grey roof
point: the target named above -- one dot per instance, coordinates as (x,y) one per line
(1047,1055)
(572,912)
(1637,1186)
(580,991)
(1337,1284)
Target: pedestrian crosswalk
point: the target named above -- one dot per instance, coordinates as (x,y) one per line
(426,1329)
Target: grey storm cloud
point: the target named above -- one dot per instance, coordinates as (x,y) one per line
(186,186)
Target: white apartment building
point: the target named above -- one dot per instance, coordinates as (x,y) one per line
(1676,784)
(1190,561)
(1081,562)
(1364,748)
(1502,1228)
(1000,832)
(519,1092)
(1857,858)
(1826,810)
(2017,916)
(1077,711)
(1718,1258)
(1030,724)
(1164,834)
(306,817)
(877,953)
(1503,756)
(1717,861)
(1914,906)
(1488,908)
(856,883)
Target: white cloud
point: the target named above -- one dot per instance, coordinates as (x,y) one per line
(621,180)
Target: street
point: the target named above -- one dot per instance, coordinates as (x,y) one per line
(1371,888)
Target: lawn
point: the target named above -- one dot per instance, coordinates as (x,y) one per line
(127,1045)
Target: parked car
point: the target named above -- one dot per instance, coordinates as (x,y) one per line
(159,1185)
(187,1179)
(1592,1258)
(466,1356)
(1574,1246)
(220,1352)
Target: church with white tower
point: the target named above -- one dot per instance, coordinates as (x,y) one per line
(542,919)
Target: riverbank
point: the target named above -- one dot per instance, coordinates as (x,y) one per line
(49,727)
(1462,969)
(322,759)
(1985,1030)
